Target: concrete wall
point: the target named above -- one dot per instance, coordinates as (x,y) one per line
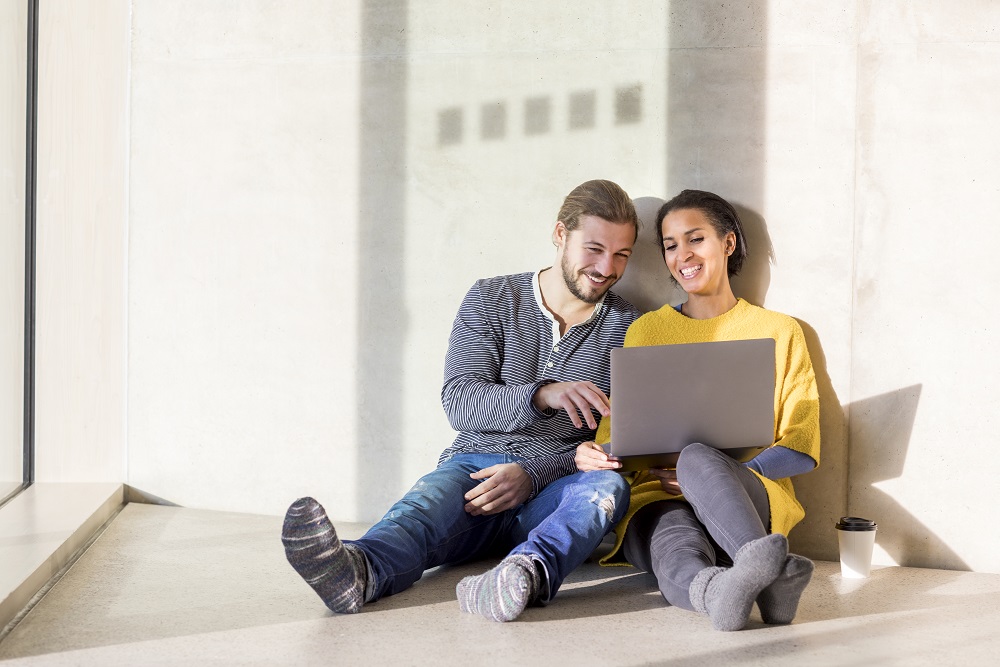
(312,188)
(312,193)
(924,365)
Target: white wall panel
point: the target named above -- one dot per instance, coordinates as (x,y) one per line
(243,254)
(13,69)
(81,231)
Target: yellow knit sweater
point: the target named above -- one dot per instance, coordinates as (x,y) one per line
(796,400)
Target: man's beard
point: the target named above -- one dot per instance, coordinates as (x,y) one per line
(573,286)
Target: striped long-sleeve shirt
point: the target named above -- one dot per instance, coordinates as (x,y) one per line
(504,345)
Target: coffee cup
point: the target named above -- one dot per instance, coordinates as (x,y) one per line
(857,539)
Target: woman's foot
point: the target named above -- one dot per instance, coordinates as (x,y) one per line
(727,594)
(779,602)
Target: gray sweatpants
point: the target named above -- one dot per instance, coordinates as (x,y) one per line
(725,507)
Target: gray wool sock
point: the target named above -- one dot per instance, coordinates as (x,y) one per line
(337,573)
(779,601)
(501,594)
(727,594)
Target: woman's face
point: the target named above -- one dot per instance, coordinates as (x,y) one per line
(695,253)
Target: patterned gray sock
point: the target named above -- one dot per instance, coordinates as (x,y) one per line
(727,594)
(337,573)
(779,602)
(501,594)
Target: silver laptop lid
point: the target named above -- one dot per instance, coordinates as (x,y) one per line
(665,397)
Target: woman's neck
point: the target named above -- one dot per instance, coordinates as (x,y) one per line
(700,307)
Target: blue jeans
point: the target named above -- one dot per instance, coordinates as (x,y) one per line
(429,526)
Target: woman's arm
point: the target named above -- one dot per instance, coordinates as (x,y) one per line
(779,462)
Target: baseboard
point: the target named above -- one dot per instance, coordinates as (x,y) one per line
(43,529)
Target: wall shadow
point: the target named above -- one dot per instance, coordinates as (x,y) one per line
(382,215)
(864,442)
(716,113)
(880,432)
(823,492)
(755,277)
(716,101)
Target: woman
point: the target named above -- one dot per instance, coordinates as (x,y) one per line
(713,531)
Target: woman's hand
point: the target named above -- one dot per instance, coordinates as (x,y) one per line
(591,456)
(668,480)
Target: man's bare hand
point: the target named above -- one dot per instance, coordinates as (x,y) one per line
(576,398)
(668,480)
(591,456)
(504,486)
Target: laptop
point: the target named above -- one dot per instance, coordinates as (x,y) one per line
(664,397)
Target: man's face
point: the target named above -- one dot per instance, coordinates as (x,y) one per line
(594,255)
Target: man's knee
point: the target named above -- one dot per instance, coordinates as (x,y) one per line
(610,492)
(439,492)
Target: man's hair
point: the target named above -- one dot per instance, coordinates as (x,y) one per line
(601,198)
(719,212)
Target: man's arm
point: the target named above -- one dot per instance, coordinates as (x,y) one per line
(473,396)
(544,470)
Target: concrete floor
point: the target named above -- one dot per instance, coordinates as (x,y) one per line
(168,585)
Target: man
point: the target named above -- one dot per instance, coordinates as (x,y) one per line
(528,365)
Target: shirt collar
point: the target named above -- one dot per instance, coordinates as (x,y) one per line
(536,288)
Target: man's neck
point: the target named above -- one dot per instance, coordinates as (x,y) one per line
(566,308)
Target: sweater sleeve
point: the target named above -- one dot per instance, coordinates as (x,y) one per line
(780,462)
(474,398)
(797,400)
(543,470)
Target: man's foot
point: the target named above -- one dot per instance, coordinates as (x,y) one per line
(501,594)
(334,571)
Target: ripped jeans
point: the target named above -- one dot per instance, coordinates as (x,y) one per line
(559,528)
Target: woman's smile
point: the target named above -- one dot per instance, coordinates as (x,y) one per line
(689,272)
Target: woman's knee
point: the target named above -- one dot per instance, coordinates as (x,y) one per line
(698,461)
(696,453)
(697,456)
